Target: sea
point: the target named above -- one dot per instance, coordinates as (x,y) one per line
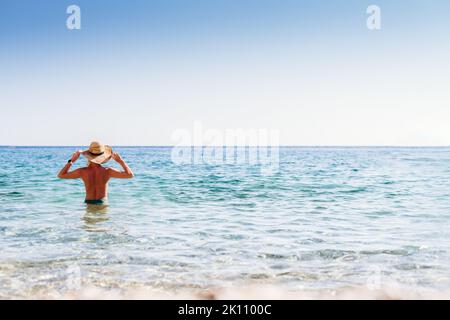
(343,222)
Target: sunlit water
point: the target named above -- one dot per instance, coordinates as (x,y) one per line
(330,218)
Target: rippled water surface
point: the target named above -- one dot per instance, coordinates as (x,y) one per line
(330,218)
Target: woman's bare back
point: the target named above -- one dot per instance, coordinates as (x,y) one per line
(95,180)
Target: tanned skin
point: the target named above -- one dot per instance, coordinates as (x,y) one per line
(96,177)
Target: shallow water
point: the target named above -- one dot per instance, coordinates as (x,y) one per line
(330,218)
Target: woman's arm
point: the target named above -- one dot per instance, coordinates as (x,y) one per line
(65,174)
(126,174)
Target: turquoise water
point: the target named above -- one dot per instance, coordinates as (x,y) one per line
(330,218)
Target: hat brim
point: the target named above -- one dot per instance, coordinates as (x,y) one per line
(98,159)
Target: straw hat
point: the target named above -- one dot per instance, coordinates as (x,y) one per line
(98,153)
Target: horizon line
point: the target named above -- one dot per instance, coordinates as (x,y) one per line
(191,146)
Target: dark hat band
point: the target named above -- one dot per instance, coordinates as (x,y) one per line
(96,154)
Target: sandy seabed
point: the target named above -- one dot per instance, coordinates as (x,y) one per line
(247,293)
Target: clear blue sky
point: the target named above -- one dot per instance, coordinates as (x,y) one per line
(138,70)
